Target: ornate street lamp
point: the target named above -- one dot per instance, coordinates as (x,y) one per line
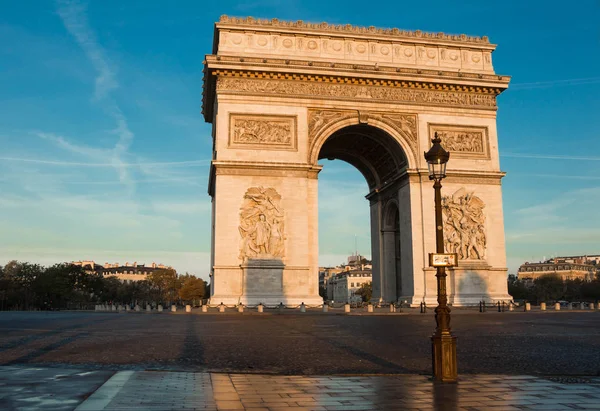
(443,343)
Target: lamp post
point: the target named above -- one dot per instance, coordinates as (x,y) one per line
(443,343)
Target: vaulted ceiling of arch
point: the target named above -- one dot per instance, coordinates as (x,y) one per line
(372,151)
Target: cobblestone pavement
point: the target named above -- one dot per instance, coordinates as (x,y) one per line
(518,343)
(56,389)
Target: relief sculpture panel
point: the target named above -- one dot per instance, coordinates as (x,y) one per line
(463,141)
(464,225)
(262,132)
(261,224)
(309,89)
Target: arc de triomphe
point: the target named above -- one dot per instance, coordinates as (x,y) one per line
(282,95)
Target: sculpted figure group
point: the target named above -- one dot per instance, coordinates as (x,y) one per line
(261,224)
(466,141)
(464,225)
(261,131)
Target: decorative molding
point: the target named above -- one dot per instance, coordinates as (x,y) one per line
(464,225)
(263,132)
(266,172)
(465,177)
(347,92)
(321,119)
(463,141)
(262,224)
(247,168)
(350,29)
(404,124)
(360,81)
(468,180)
(268,63)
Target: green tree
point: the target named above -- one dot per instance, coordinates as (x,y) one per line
(23,276)
(518,289)
(590,291)
(193,290)
(548,287)
(165,283)
(365,292)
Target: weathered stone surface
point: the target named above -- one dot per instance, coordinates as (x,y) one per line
(283,95)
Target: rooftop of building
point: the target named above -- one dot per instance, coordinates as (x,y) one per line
(114,267)
(348,29)
(557,265)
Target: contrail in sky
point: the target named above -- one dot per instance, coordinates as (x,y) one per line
(566,82)
(550,156)
(190,163)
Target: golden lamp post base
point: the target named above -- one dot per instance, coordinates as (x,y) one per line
(444,358)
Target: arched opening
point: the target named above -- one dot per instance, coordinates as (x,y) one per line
(379,157)
(376,154)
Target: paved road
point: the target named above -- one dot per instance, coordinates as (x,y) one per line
(560,343)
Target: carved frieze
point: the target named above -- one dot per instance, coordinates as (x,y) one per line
(320,119)
(464,225)
(262,132)
(405,124)
(463,141)
(319,90)
(261,224)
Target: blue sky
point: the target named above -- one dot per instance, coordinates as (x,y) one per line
(104,154)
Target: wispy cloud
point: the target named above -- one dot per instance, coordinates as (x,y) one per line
(190,163)
(561,220)
(561,176)
(550,156)
(73,15)
(555,83)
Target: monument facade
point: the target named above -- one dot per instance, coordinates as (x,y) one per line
(282,95)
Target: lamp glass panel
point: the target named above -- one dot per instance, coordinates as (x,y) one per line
(437,170)
(431,170)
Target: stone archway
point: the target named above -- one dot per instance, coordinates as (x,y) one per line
(392,250)
(282,95)
(380,158)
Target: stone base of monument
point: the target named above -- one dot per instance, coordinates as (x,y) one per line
(473,281)
(267,281)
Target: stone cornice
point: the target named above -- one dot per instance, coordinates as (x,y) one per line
(338,69)
(364,81)
(275,169)
(349,30)
(297,85)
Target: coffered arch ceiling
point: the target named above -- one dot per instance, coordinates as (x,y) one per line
(376,154)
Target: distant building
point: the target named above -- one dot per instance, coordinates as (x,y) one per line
(325,275)
(579,259)
(565,270)
(127,273)
(342,286)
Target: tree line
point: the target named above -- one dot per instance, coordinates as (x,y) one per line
(552,288)
(26,286)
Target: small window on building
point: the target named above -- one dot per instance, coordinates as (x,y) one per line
(351,284)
